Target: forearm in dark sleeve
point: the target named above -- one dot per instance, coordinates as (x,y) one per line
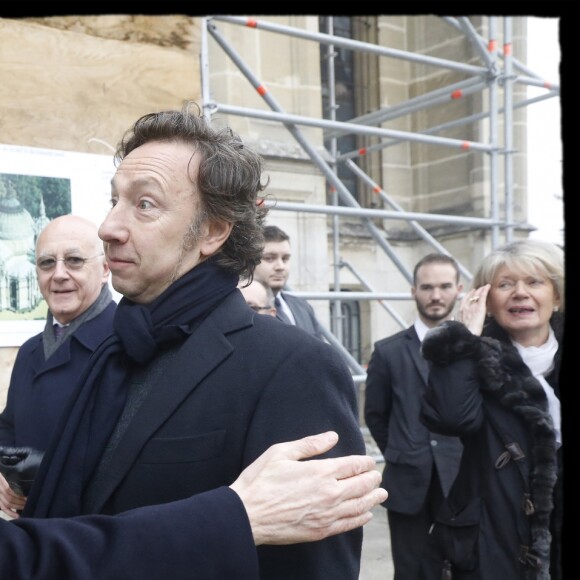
(206,537)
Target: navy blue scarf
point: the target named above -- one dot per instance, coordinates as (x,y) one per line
(93,410)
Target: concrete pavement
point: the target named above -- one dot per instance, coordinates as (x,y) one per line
(376,551)
(376,561)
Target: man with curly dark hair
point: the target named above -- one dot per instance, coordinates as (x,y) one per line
(193,385)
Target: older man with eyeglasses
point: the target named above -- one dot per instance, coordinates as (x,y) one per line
(258,296)
(73,278)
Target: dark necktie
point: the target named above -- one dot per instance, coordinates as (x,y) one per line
(280,314)
(58,331)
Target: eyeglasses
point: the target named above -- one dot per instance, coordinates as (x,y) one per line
(258,308)
(70,262)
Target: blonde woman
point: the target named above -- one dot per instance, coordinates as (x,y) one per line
(494,382)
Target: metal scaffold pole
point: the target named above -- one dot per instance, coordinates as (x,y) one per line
(491,71)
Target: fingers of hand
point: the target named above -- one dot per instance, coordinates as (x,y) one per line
(301,448)
(9,514)
(471,298)
(348,466)
(348,524)
(308,446)
(345,515)
(282,452)
(476,296)
(359,506)
(471,306)
(10,508)
(359,495)
(9,499)
(348,497)
(3,483)
(11,502)
(338,526)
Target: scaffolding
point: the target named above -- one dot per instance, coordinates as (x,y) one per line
(497,72)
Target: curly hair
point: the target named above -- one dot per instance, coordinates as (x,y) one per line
(229,179)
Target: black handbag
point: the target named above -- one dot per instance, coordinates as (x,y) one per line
(19,465)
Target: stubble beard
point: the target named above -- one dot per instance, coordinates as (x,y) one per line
(435,317)
(277,288)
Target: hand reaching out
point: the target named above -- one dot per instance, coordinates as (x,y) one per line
(290,501)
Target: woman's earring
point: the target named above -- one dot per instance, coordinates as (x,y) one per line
(556,308)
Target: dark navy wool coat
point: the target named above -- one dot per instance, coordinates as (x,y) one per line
(207,537)
(238,384)
(39,388)
(503,516)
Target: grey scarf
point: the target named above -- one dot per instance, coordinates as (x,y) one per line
(50,342)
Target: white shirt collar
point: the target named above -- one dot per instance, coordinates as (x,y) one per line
(286,308)
(421,329)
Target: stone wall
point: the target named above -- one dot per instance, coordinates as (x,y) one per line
(66,85)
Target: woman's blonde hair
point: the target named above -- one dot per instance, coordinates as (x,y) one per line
(527,256)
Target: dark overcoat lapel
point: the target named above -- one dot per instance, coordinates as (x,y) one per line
(208,347)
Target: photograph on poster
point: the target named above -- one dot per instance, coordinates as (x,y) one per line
(37,185)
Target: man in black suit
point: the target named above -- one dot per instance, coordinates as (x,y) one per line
(419,466)
(274,270)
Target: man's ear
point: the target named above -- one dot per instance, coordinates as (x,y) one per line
(106,271)
(217,234)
